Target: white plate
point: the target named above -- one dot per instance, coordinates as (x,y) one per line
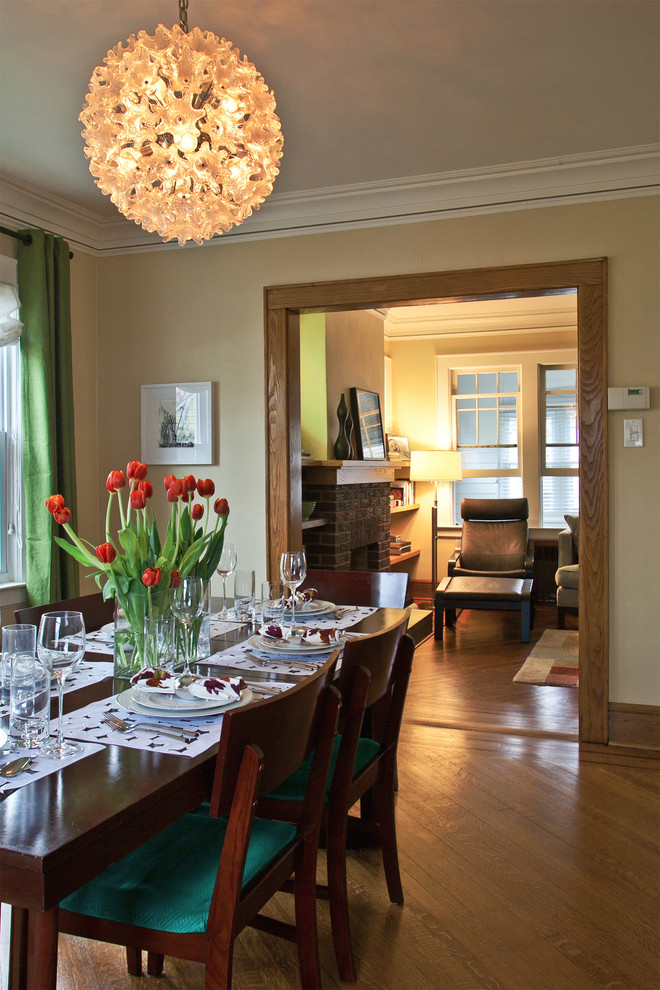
(3,738)
(317,607)
(270,646)
(175,707)
(108,629)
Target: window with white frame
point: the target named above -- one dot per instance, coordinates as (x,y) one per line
(559,450)
(11,486)
(486,421)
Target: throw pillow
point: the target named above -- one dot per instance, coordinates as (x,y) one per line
(573,523)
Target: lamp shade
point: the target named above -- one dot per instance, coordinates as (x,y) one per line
(435,465)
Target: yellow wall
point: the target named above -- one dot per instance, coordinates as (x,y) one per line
(196,314)
(355,359)
(313,405)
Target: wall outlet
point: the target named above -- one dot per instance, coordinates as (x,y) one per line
(633,433)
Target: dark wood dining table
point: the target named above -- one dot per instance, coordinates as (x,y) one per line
(59,831)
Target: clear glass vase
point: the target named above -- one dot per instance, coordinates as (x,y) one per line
(200,632)
(143,623)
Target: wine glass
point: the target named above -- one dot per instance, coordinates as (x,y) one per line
(187,606)
(226,566)
(60,646)
(293,568)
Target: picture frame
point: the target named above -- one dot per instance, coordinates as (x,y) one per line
(398,448)
(368,425)
(177,424)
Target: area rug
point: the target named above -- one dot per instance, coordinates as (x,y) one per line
(554,660)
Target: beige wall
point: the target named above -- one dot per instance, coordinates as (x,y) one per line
(354,359)
(196,314)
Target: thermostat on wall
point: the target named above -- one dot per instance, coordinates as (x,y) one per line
(629,397)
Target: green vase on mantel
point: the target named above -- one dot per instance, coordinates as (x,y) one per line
(342,447)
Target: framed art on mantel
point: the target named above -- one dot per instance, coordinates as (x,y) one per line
(369,435)
(177,423)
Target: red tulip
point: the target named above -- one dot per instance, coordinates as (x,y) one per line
(54,503)
(146,488)
(138,500)
(136,470)
(189,482)
(175,579)
(62,516)
(106,553)
(221,507)
(197,512)
(151,577)
(173,494)
(205,487)
(116,480)
(167,481)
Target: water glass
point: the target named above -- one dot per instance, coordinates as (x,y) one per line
(244,595)
(20,637)
(29,701)
(272,603)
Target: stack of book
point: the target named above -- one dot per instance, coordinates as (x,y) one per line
(398,546)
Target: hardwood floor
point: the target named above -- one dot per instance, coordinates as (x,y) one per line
(522,868)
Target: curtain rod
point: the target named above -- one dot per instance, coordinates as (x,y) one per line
(24,238)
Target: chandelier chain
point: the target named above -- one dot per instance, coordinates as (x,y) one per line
(183,15)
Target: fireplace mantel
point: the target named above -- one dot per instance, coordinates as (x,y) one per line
(348,472)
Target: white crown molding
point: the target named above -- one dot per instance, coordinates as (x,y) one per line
(613,174)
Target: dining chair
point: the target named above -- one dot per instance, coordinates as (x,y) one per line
(95,611)
(191,889)
(373,681)
(385,589)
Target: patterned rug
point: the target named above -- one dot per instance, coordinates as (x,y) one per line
(554,660)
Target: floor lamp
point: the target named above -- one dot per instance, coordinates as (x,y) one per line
(435,466)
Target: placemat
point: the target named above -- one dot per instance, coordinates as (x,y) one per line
(85,724)
(41,765)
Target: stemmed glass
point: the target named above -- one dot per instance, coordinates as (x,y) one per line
(226,566)
(60,646)
(293,568)
(187,606)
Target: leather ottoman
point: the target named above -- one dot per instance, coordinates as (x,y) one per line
(503,594)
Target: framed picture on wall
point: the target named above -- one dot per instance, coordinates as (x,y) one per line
(177,423)
(368,424)
(398,448)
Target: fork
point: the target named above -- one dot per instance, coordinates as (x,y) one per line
(303,664)
(119,725)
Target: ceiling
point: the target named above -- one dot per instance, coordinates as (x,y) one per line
(387,106)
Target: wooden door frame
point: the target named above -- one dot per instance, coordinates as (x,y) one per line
(283,305)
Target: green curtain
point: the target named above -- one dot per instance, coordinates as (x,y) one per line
(47,392)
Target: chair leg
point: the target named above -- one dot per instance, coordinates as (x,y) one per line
(438,621)
(338,896)
(305,911)
(155,963)
(525,622)
(387,819)
(561,618)
(133,961)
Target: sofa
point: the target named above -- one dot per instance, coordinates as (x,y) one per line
(567,576)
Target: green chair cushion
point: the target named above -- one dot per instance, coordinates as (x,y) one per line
(167,884)
(293,788)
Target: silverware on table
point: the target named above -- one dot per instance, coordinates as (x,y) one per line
(119,725)
(262,674)
(15,767)
(288,661)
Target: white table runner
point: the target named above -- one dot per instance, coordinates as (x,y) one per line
(41,765)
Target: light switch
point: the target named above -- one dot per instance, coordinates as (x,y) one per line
(633,433)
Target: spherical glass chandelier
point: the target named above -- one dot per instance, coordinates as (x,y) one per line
(181,133)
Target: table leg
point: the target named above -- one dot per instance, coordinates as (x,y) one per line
(18,949)
(41,950)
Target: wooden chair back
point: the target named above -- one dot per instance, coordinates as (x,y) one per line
(95,611)
(284,728)
(385,589)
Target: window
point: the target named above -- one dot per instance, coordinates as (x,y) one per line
(486,415)
(559,443)
(11,488)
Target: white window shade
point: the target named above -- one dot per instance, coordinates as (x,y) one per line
(10,326)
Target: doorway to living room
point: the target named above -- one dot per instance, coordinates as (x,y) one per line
(589,277)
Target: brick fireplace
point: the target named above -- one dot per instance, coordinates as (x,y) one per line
(354,501)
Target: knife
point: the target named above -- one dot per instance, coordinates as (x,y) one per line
(263,674)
